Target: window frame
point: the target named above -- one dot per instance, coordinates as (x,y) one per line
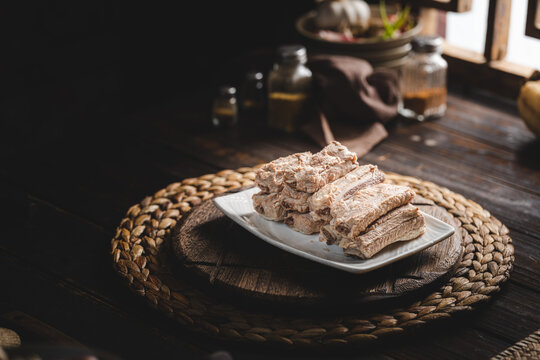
(449,5)
(533,18)
(488,70)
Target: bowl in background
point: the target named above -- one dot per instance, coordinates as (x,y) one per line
(378,51)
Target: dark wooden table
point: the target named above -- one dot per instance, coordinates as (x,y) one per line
(62,199)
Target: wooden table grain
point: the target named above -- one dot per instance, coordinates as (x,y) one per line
(63,197)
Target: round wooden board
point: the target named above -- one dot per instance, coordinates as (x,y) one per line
(226,256)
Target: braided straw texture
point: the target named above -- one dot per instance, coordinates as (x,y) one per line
(141,258)
(528,348)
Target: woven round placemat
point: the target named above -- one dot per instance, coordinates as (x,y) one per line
(525,349)
(9,339)
(142,259)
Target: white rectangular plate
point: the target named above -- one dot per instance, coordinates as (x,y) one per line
(239,207)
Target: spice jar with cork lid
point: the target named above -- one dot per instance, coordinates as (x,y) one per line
(423,81)
(289,89)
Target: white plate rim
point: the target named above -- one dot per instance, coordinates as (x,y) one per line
(356,268)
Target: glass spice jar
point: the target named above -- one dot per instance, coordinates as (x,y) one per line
(289,89)
(225,108)
(423,82)
(252,99)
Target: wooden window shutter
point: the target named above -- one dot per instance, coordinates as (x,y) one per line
(446,5)
(532,27)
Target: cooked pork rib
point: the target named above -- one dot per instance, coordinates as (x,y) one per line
(268,205)
(401,224)
(303,223)
(328,192)
(393,218)
(351,216)
(306,172)
(384,234)
(362,177)
(331,163)
(293,200)
(329,235)
(269,178)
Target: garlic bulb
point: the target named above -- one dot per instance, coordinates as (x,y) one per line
(343,14)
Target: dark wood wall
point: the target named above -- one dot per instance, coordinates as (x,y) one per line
(79,66)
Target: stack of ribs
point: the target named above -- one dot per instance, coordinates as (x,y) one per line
(328,192)
(370,219)
(288,183)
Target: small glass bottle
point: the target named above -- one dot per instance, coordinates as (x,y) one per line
(423,83)
(289,89)
(252,98)
(225,108)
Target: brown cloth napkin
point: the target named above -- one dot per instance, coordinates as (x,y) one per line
(353,101)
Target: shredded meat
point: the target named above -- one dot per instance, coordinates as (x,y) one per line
(346,186)
(331,163)
(268,205)
(293,200)
(269,178)
(303,223)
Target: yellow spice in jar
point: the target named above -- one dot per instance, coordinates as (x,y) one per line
(287,111)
